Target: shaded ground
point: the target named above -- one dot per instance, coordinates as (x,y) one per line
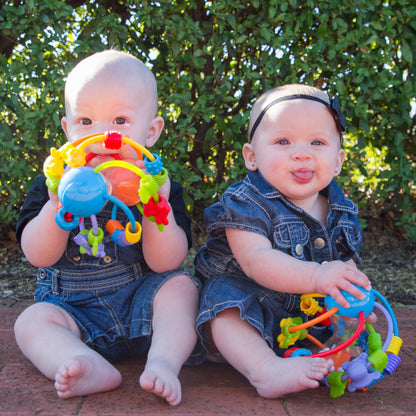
(388,260)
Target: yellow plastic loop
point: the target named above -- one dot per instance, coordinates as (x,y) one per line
(133,237)
(101,137)
(309,305)
(395,345)
(121,164)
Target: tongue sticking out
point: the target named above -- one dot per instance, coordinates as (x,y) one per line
(302,176)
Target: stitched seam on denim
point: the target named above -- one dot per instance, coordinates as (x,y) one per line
(70,274)
(349,208)
(118,327)
(253,199)
(235,225)
(233,304)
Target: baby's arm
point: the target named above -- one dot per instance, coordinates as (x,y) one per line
(281,272)
(166,250)
(43,242)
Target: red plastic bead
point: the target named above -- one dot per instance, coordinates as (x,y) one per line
(113,140)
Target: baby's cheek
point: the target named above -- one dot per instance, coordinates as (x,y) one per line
(127,152)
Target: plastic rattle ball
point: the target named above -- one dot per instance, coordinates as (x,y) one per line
(356,305)
(125,183)
(82,192)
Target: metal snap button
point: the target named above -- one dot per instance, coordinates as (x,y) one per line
(319,243)
(77,258)
(107,259)
(299,249)
(42,274)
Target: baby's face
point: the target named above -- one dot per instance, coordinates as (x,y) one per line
(296,148)
(108,103)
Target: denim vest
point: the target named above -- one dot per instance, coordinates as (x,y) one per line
(254,205)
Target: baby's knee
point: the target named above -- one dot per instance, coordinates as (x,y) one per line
(24,326)
(182,284)
(179,288)
(33,320)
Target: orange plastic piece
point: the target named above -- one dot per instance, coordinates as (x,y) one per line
(314,321)
(339,358)
(113,225)
(125,184)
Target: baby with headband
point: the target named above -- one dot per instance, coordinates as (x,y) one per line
(134,301)
(286,229)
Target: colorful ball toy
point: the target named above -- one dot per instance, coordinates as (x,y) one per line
(359,360)
(83,191)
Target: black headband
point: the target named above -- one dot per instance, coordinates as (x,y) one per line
(333,107)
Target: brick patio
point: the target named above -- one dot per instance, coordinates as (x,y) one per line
(209,389)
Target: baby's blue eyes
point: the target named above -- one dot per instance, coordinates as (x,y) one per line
(118,120)
(285,142)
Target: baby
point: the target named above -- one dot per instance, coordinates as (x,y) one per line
(90,311)
(286,229)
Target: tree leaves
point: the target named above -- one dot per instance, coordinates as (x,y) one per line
(212,60)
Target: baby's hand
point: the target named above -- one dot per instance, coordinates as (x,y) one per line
(334,276)
(53,197)
(164,190)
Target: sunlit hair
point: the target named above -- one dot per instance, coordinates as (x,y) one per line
(290,92)
(119,64)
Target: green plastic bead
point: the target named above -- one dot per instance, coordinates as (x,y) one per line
(337,386)
(94,240)
(378,359)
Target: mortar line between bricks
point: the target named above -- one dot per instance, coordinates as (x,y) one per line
(284,405)
(79,407)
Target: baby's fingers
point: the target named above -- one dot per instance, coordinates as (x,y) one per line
(347,287)
(357,277)
(339,298)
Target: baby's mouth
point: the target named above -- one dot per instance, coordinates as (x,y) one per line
(101,158)
(302,175)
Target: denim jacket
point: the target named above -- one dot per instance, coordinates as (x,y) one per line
(255,205)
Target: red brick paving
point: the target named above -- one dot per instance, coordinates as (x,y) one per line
(208,389)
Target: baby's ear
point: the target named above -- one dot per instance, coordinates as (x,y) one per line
(155,129)
(340,161)
(64,125)
(249,157)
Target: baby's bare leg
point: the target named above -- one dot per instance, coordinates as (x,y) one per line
(246,350)
(50,338)
(173,339)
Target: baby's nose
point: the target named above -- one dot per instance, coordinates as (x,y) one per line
(301,153)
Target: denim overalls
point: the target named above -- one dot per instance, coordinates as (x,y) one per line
(254,205)
(109,298)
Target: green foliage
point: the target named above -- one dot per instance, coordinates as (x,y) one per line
(212,59)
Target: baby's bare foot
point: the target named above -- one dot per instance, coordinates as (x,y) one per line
(84,375)
(290,375)
(159,378)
